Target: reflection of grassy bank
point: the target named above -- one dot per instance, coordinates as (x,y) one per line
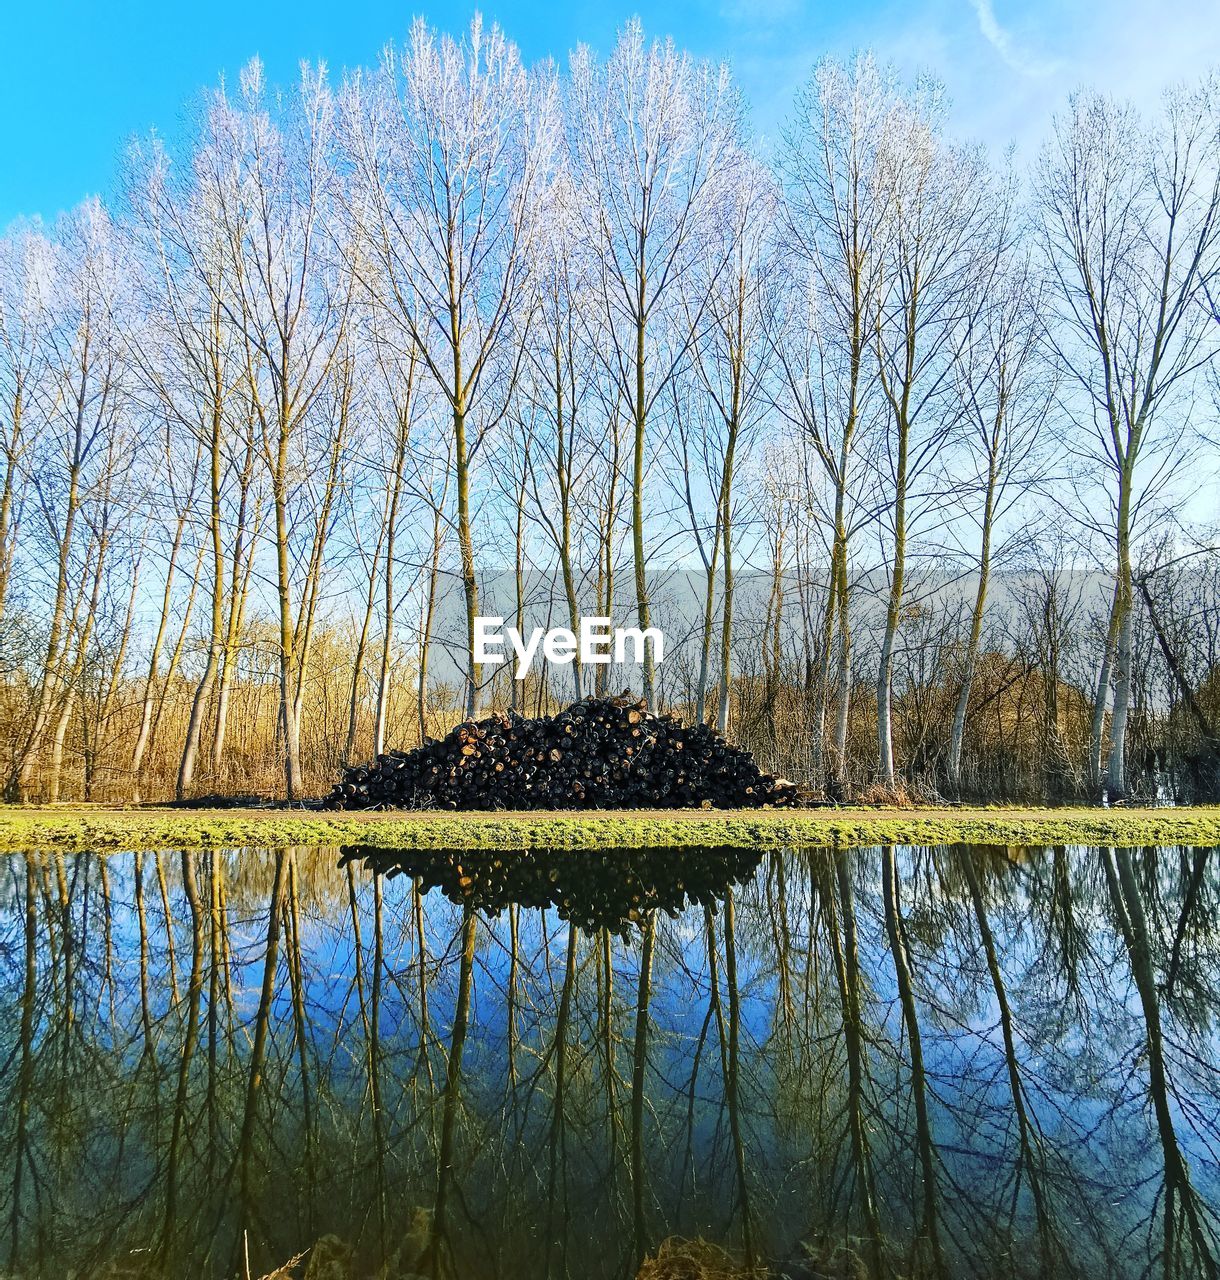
(101,828)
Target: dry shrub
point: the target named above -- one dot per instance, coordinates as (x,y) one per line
(679,1259)
(881,796)
(287,1271)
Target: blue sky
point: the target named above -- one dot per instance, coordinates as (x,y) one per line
(79,78)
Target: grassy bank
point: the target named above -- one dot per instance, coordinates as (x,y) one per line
(82,827)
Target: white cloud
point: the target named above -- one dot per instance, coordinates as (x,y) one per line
(1006,73)
(1002,42)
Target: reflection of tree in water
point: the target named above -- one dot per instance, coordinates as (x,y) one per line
(932,1062)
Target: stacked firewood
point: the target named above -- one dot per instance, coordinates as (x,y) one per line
(592,888)
(599,753)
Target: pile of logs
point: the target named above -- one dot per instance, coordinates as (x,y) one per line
(599,753)
(592,888)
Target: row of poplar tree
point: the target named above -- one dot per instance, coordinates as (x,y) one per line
(344,351)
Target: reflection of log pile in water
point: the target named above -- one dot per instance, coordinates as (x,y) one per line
(593,888)
(599,753)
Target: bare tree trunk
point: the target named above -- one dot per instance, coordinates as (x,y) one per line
(26,759)
(74,677)
(843,667)
(825,657)
(425,639)
(726,627)
(773,628)
(353,701)
(289,726)
(643,608)
(517,687)
(972,644)
(55,763)
(565,417)
(726,529)
(203,692)
(239,585)
(1097,727)
(303,629)
(1116,769)
(709,619)
(605,550)
(893,615)
(8,496)
(382,711)
(470,586)
(144,734)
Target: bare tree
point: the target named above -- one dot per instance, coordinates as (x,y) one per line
(732,363)
(942,237)
(452,145)
(179,493)
(1130,230)
(193,363)
(26,278)
(71,470)
(291,294)
(557,385)
(1006,392)
(834,167)
(652,136)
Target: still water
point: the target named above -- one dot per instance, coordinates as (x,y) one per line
(902,1061)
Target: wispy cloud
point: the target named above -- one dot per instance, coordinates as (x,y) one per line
(1015,57)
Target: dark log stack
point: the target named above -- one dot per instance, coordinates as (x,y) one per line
(592,888)
(599,753)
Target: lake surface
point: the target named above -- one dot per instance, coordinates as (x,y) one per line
(914,1062)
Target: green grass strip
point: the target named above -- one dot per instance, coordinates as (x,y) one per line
(83,827)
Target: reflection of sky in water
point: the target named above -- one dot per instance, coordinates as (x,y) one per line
(1078,1027)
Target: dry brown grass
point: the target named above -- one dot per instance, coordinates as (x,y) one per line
(878,794)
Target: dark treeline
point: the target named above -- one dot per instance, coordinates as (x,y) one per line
(273,417)
(903,1063)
